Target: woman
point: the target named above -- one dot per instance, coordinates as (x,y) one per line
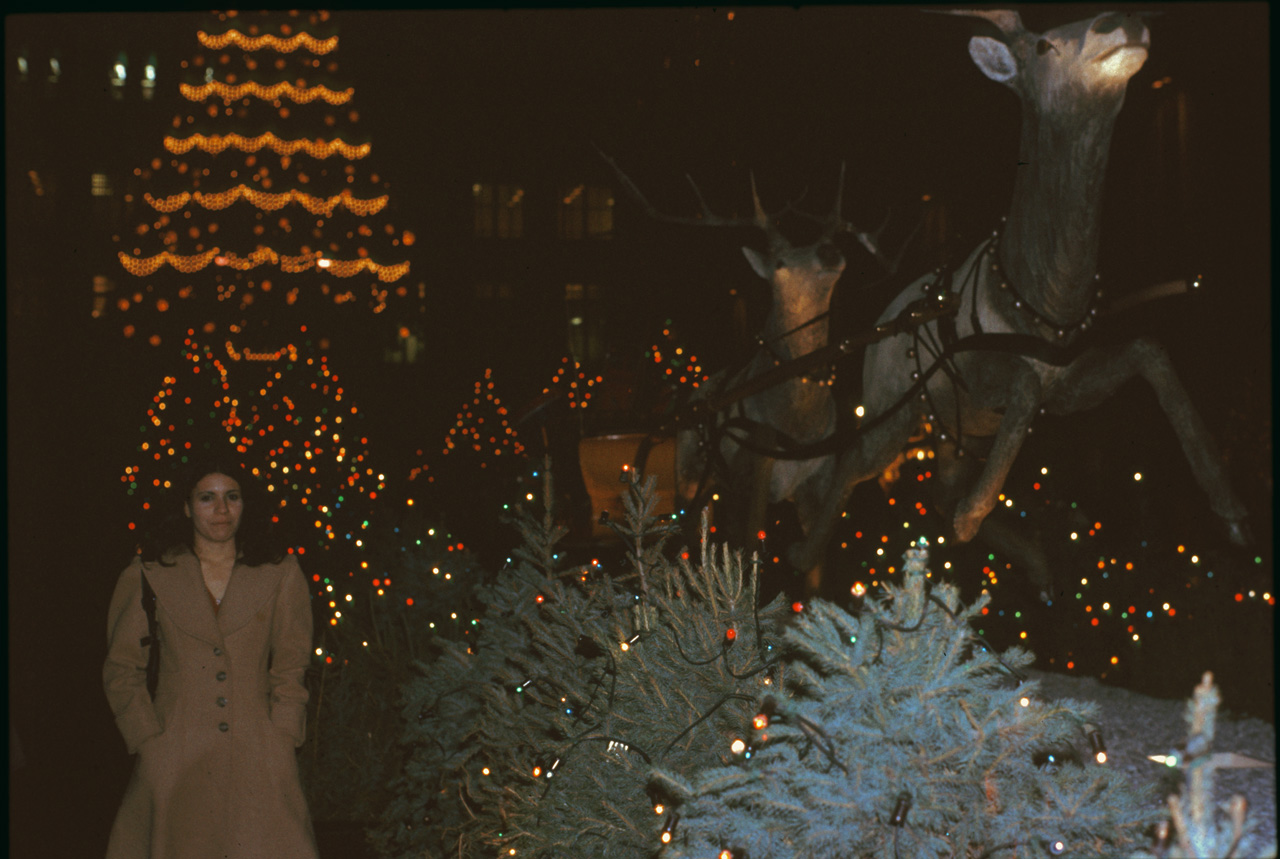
(216,774)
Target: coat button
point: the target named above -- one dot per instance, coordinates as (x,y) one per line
(217,651)
(224,727)
(222,702)
(222,675)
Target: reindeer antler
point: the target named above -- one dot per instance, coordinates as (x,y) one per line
(1008,21)
(760,219)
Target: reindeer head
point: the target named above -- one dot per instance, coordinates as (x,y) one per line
(1071,67)
(801,276)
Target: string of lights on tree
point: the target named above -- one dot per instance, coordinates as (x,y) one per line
(572,383)
(482,426)
(284,413)
(1117,587)
(266,201)
(677,365)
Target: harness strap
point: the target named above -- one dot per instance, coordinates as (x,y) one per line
(1025,345)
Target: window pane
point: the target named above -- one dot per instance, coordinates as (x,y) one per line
(599,212)
(571,206)
(482,193)
(510,211)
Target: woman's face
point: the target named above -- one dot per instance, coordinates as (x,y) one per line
(215,508)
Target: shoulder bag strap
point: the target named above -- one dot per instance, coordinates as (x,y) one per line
(151,640)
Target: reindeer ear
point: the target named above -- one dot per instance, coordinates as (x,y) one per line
(758,263)
(993,58)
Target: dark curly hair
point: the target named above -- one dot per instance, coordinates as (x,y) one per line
(256,540)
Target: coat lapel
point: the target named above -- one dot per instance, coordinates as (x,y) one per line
(180,590)
(248,590)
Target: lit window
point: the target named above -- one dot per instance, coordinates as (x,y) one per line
(55,70)
(100,185)
(499,210)
(119,72)
(570,209)
(584,322)
(599,212)
(149,80)
(22,68)
(102,286)
(586,211)
(510,212)
(482,193)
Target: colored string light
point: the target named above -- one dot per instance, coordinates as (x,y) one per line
(217,143)
(142,266)
(275,43)
(185,264)
(269,202)
(299,95)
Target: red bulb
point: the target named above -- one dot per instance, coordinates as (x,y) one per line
(730,634)
(760,534)
(797,607)
(538,598)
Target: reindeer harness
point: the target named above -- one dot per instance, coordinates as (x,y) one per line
(941,303)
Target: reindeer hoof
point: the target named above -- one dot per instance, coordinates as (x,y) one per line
(1239,533)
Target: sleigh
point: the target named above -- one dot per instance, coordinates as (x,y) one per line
(607,462)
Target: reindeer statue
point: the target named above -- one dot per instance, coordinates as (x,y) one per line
(754,435)
(1016,346)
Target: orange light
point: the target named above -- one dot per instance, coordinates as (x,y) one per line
(251,43)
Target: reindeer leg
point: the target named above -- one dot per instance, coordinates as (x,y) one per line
(1098,373)
(955,474)
(1019,408)
(869,455)
(808,500)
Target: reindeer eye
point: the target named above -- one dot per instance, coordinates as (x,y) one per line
(1044,46)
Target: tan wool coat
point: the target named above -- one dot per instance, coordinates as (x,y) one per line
(216,775)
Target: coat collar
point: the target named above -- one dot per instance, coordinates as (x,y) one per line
(180,589)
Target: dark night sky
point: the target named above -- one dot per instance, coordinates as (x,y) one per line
(788,93)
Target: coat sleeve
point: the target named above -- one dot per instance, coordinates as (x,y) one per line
(291,636)
(124,675)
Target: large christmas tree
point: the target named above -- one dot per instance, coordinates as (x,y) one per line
(265,208)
